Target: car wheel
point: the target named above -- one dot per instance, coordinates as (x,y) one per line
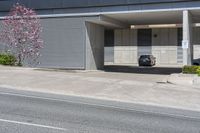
(196,64)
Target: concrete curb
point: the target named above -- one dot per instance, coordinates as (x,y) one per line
(184,79)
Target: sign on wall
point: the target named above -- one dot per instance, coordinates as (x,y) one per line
(185,44)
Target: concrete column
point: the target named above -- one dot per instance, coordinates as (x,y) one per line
(94,46)
(187,38)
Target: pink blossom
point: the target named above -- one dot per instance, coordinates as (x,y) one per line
(22,33)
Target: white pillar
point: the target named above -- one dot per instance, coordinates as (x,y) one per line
(187,38)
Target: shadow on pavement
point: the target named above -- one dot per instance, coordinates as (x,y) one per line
(142,70)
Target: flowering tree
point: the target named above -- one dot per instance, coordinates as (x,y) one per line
(22,34)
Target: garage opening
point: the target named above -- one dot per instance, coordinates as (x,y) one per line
(123,47)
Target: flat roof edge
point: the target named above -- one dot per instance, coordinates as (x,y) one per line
(93,14)
(62,4)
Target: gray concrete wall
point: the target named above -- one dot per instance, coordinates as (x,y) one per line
(94,46)
(125,46)
(196,42)
(65,43)
(108,55)
(2,47)
(62,49)
(164,46)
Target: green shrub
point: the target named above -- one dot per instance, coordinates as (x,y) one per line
(7,59)
(191,70)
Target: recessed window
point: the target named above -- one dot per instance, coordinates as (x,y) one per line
(180,36)
(109,38)
(144,37)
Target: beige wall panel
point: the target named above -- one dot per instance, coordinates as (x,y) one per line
(163,46)
(196,51)
(157,55)
(125,57)
(172,55)
(196,42)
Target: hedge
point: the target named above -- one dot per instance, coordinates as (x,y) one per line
(7,59)
(191,70)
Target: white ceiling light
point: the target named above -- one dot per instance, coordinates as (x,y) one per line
(155,26)
(160,26)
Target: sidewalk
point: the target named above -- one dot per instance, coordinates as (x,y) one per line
(184,79)
(145,89)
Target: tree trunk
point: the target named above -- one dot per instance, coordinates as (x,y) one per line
(19,60)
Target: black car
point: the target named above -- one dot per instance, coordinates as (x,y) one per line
(147,60)
(196,62)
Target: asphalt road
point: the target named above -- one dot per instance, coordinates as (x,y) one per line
(23,112)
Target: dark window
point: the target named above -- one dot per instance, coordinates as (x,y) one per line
(144,37)
(109,38)
(180,36)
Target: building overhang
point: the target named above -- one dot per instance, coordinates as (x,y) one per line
(124,19)
(110,22)
(71,4)
(154,19)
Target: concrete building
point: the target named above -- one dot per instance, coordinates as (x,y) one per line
(77,33)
